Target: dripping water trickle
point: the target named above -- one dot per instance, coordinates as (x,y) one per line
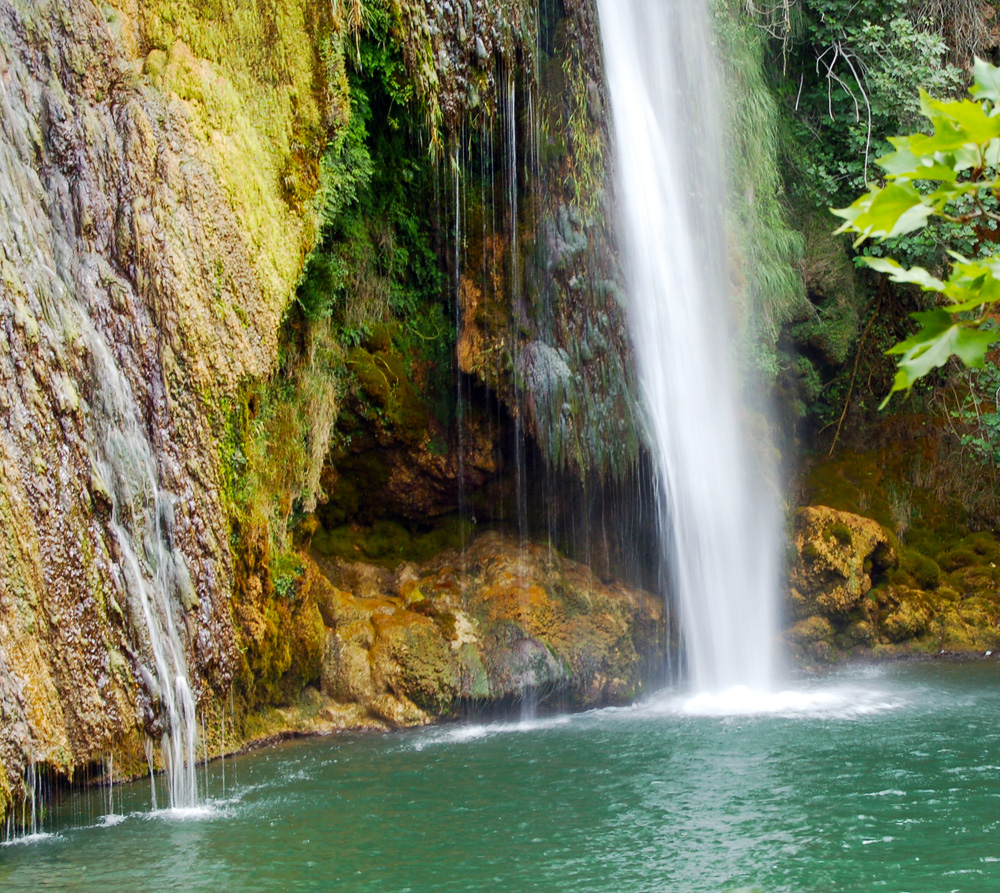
(155,575)
(461,397)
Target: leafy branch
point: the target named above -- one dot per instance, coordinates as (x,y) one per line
(950,174)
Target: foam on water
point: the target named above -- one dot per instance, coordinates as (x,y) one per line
(38,837)
(188,813)
(818,703)
(458,734)
(829,702)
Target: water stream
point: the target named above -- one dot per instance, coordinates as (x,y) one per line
(719,524)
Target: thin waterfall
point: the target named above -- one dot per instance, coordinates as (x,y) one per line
(716,512)
(155,575)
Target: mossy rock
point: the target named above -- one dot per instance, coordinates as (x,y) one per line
(412,658)
(984,545)
(388,542)
(814,635)
(838,557)
(859,633)
(376,380)
(496,620)
(378,339)
(956,559)
(384,382)
(924,571)
(909,618)
(840,532)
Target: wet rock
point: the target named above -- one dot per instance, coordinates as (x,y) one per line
(495,623)
(137,212)
(837,554)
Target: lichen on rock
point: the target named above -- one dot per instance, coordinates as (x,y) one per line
(838,557)
(494,623)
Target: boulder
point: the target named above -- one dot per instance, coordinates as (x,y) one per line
(492,624)
(837,555)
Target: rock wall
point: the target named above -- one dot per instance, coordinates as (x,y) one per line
(147,250)
(490,624)
(162,174)
(541,295)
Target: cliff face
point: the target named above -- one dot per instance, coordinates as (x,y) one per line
(165,171)
(540,290)
(146,255)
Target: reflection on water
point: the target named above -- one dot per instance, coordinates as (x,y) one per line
(876,779)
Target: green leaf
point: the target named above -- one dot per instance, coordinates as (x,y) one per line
(987,85)
(957,123)
(905,164)
(972,284)
(991,155)
(893,210)
(898,273)
(939,338)
(957,157)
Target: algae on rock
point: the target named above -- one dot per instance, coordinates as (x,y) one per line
(146,229)
(493,623)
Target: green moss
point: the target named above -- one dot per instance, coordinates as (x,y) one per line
(276,440)
(474,676)
(259,84)
(285,569)
(815,634)
(383,384)
(810,552)
(859,633)
(288,653)
(388,543)
(909,619)
(6,798)
(376,279)
(958,558)
(840,532)
(984,544)
(924,571)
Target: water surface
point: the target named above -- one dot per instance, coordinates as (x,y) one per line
(884,778)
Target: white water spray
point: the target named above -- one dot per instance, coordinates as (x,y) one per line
(719,523)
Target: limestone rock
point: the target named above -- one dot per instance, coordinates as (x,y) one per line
(837,554)
(495,623)
(147,252)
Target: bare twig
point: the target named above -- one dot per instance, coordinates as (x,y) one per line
(840,51)
(854,373)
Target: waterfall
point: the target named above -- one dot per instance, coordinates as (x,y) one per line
(719,523)
(155,575)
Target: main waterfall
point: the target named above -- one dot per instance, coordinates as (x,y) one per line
(718,521)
